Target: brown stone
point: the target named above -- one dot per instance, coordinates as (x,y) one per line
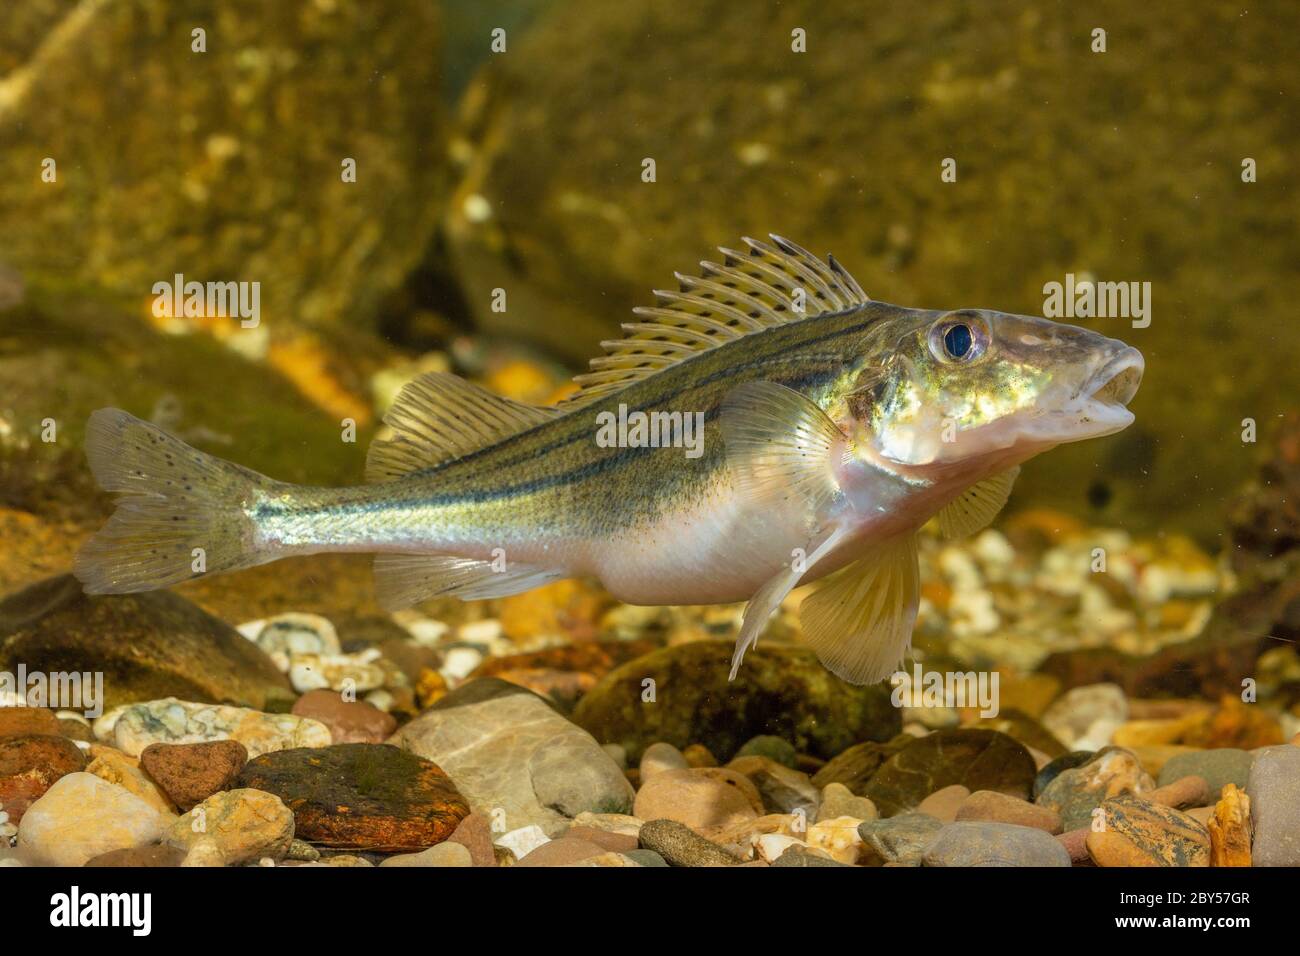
(24,721)
(1230,829)
(1107,848)
(1236,724)
(706,798)
(349,721)
(30,765)
(616,842)
(474,833)
(159,855)
(562,852)
(1166,836)
(698,755)
(1190,791)
(1076,844)
(190,773)
(124,771)
(1001,808)
(944,803)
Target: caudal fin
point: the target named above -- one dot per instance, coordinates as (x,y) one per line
(182,514)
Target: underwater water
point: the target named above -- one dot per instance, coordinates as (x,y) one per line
(989,438)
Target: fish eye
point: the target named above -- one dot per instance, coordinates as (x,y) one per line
(959,338)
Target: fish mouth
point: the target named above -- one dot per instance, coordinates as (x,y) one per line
(1116,382)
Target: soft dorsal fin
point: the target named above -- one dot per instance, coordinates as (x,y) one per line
(978,505)
(769,285)
(439,417)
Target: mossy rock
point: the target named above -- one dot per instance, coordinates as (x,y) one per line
(147,646)
(1124,164)
(781,690)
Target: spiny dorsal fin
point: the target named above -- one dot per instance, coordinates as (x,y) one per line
(769,285)
(439,417)
(977,506)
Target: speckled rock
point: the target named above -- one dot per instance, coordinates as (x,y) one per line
(781,690)
(679,845)
(361,796)
(242,824)
(1166,836)
(285,636)
(898,840)
(982,843)
(338,672)
(30,765)
(1230,829)
(1077,792)
(1218,767)
(148,645)
(1083,718)
(1273,786)
(172,721)
(349,721)
(190,773)
(82,816)
(510,753)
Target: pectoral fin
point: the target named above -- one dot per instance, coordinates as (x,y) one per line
(977,506)
(859,620)
(769,597)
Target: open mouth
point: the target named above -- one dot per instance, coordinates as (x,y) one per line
(1117,381)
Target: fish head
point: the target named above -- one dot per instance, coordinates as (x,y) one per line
(975,386)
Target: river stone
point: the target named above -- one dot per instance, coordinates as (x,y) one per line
(443,854)
(838,800)
(173,721)
(1053,768)
(783,789)
(856,765)
(900,840)
(774,748)
(806,856)
(82,816)
(23,721)
(149,645)
(1274,790)
(117,768)
(240,825)
(1165,836)
(285,636)
(30,765)
(349,721)
(158,855)
(511,753)
(781,690)
(975,759)
(679,845)
(1218,767)
(993,807)
(657,758)
(702,799)
(1083,718)
(190,773)
(983,843)
(192,175)
(361,796)
(1077,792)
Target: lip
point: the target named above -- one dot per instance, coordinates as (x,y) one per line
(1116,382)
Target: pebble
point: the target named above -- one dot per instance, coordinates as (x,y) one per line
(617,753)
(443,854)
(702,799)
(204,852)
(190,773)
(994,807)
(621,823)
(158,855)
(563,851)
(659,757)
(1230,830)
(781,788)
(646,857)
(1077,792)
(806,856)
(30,765)
(1190,791)
(1218,768)
(83,816)
(349,721)
(474,833)
(983,843)
(681,846)
(522,841)
(900,840)
(1274,786)
(24,721)
(838,800)
(944,803)
(1167,836)
(172,721)
(290,634)
(770,846)
(116,767)
(336,672)
(243,825)
(1084,718)
(1106,848)
(698,755)
(606,839)
(1076,844)
(838,837)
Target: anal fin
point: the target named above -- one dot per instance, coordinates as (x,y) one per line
(860,619)
(402,580)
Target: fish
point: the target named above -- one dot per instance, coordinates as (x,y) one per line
(765,426)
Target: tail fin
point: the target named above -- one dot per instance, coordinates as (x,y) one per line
(182,514)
